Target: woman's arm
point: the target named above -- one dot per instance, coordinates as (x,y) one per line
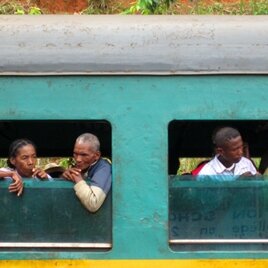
(17,185)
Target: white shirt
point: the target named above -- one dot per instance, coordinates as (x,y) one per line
(215,167)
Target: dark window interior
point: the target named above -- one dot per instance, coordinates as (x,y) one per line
(54,137)
(214,215)
(192,138)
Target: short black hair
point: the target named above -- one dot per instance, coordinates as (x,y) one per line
(223,135)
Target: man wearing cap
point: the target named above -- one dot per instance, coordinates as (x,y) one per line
(91,174)
(54,170)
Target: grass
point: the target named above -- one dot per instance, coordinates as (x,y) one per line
(232,8)
(95,8)
(182,7)
(19,8)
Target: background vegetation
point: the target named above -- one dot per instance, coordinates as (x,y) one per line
(42,162)
(179,7)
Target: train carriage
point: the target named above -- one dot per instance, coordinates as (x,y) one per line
(152,88)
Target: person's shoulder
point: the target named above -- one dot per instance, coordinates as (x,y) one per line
(214,161)
(104,162)
(245,160)
(199,167)
(207,169)
(101,164)
(246,163)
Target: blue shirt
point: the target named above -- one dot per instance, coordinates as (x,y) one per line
(100,175)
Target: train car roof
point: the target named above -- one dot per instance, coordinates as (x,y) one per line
(117,44)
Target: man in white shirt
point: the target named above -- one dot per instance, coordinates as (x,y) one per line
(229,163)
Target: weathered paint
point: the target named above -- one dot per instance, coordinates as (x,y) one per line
(139,110)
(133,45)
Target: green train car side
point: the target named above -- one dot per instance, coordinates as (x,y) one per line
(152,88)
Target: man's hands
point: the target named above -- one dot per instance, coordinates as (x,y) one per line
(73,174)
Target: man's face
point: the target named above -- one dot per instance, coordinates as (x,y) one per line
(232,151)
(84,156)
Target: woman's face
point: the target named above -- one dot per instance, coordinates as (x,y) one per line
(25,160)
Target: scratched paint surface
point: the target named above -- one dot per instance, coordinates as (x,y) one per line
(218,210)
(139,110)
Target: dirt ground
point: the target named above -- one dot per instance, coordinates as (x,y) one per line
(77,6)
(70,6)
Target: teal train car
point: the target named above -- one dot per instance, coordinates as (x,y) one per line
(152,88)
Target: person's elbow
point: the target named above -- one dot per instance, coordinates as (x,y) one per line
(95,200)
(92,197)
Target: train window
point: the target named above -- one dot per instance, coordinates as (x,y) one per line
(211,214)
(49,214)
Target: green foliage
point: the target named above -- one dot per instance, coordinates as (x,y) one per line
(147,7)
(3,162)
(95,7)
(34,11)
(259,7)
(42,162)
(186,165)
(253,7)
(62,161)
(19,11)
(66,162)
(15,8)
(197,7)
(8,8)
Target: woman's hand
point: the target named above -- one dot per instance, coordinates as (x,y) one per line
(17,185)
(39,173)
